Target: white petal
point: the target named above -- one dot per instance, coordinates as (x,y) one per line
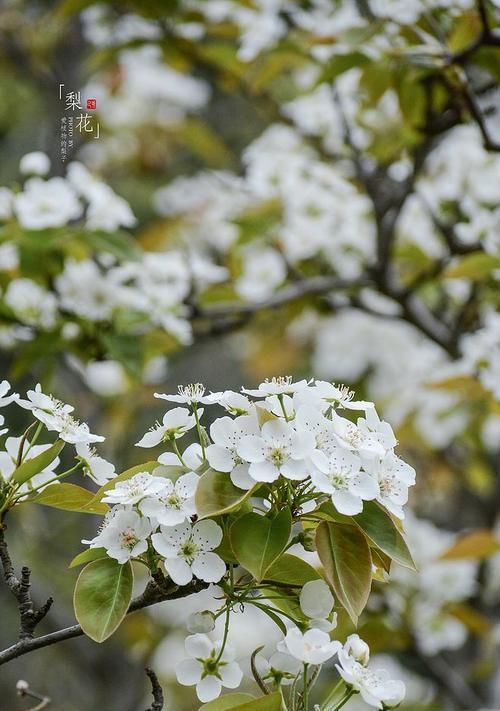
(241,478)
(263,471)
(186,485)
(363,485)
(219,458)
(188,672)
(207,535)
(208,567)
(295,469)
(231,675)
(252,448)
(198,646)
(208,689)
(151,438)
(347,503)
(179,571)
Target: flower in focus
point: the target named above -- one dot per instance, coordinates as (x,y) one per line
(188,551)
(311,647)
(124,535)
(94,466)
(175,423)
(375,686)
(205,668)
(173,503)
(133,490)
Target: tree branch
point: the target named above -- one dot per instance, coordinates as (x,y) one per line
(150,596)
(29,616)
(156,690)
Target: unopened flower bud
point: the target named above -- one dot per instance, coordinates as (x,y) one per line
(201,622)
(357,649)
(22,686)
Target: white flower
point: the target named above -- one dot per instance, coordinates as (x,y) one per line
(56,416)
(280,668)
(174,503)
(312,647)
(32,304)
(223,456)
(9,257)
(4,398)
(283,385)
(235,403)
(316,600)
(192,457)
(85,290)
(375,687)
(191,395)
(133,490)
(264,269)
(46,203)
(108,211)
(97,468)
(35,163)
(356,439)
(204,669)
(105,377)
(8,463)
(188,551)
(201,622)
(343,479)
(357,649)
(279,450)
(394,477)
(124,535)
(175,424)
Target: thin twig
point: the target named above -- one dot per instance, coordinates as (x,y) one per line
(156,690)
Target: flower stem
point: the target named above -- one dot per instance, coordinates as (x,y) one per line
(198,428)
(305,697)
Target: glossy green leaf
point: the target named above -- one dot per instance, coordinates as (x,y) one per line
(87,556)
(29,468)
(227,702)
(216,494)
(346,558)
(381,530)
(290,570)
(258,541)
(70,497)
(102,597)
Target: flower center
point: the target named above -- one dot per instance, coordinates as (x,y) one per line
(128,538)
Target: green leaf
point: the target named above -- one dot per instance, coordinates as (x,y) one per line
(341,63)
(257,541)
(272,702)
(346,558)
(87,556)
(216,494)
(127,474)
(476,545)
(28,469)
(291,570)
(102,597)
(476,266)
(381,530)
(70,497)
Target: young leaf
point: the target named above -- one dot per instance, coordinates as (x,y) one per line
(70,497)
(381,530)
(217,495)
(102,597)
(28,469)
(477,544)
(346,558)
(87,556)
(475,266)
(290,570)
(227,702)
(257,541)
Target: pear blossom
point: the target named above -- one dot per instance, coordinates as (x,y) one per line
(375,686)
(206,670)
(132,491)
(175,424)
(191,395)
(342,477)
(316,600)
(32,304)
(223,456)
(357,649)
(4,398)
(124,535)
(188,551)
(394,477)
(35,163)
(173,503)
(355,439)
(279,450)
(281,668)
(9,257)
(192,457)
(46,203)
(201,622)
(94,466)
(276,386)
(311,647)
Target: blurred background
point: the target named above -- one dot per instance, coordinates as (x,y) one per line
(231,190)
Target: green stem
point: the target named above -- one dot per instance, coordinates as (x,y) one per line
(176,450)
(305,696)
(35,437)
(345,699)
(226,631)
(50,481)
(198,428)
(23,442)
